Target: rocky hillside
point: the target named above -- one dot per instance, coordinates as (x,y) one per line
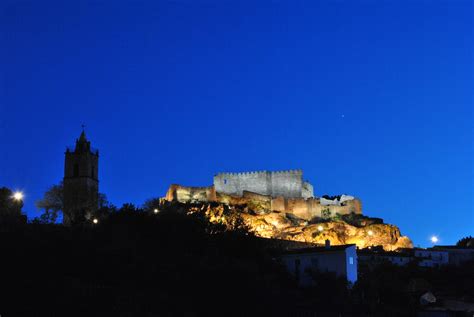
(346,229)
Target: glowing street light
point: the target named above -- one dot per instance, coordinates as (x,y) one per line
(95,221)
(155,211)
(434,239)
(18,196)
(320,228)
(370,233)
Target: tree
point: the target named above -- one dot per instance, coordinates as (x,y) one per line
(152,204)
(326,213)
(103,202)
(47,217)
(128,208)
(52,203)
(466,242)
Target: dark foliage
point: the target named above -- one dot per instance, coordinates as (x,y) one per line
(52,203)
(134,263)
(466,242)
(337,197)
(139,263)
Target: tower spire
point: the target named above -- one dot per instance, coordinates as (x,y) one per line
(83,138)
(82,144)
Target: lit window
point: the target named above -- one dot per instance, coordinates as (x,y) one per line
(351,260)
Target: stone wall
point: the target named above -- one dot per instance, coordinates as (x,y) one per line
(313,208)
(287,184)
(302,208)
(278,204)
(284,183)
(190,194)
(236,183)
(307,191)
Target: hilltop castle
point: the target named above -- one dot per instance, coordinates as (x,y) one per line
(282,191)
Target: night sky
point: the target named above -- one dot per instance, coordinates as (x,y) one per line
(369,98)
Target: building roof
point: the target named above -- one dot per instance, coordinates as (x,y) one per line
(335,248)
(367,251)
(452,247)
(428,250)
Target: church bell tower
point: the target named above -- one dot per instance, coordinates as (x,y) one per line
(81,182)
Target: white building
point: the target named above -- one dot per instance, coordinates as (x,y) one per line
(431,258)
(338,201)
(377,257)
(341,259)
(457,255)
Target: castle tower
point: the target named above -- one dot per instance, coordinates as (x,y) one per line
(81,181)
(288,184)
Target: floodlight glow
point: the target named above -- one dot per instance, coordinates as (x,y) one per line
(320,228)
(95,221)
(155,211)
(18,196)
(434,239)
(370,233)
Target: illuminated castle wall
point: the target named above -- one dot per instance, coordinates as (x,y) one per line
(288,184)
(267,191)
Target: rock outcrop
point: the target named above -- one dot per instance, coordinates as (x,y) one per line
(343,229)
(300,219)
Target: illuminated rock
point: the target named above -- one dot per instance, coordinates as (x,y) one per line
(363,231)
(281,205)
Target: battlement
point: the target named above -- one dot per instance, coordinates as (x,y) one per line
(287,183)
(296,172)
(241,173)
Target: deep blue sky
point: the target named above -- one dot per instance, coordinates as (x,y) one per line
(370,98)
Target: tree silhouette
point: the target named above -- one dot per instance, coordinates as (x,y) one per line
(466,242)
(52,203)
(151,204)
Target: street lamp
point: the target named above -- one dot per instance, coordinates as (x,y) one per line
(320,228)
(155,211)
(370,233)
(18,196)
(95,221)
